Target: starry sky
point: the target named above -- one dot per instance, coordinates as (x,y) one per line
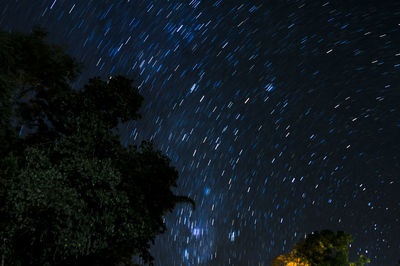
(282,117)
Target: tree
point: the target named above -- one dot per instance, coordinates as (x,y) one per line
(289,259)
(321,248)
(70,193)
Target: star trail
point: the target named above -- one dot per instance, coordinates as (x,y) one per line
(282,117)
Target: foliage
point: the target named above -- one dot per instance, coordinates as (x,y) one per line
(70,193)
(321,248)
(289,259)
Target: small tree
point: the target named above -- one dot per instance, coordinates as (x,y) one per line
(321,248)
(70,193)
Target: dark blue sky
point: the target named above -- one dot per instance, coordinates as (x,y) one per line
(282,117)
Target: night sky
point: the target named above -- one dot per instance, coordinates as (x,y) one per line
(282,117)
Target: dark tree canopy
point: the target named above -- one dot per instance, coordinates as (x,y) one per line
(70,193)
(321,248)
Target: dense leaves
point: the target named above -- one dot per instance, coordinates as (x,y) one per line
(321,248)
(70,193)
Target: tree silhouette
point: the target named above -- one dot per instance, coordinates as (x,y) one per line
(321,248)
(70,193)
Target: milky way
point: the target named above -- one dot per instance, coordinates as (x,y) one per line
(282,117)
